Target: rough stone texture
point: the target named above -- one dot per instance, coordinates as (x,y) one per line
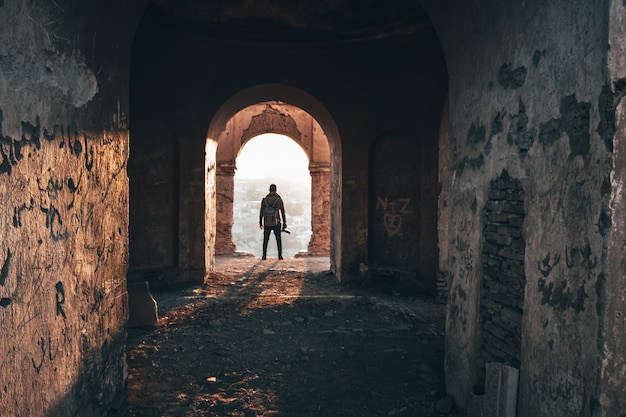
(612,289)
(319,245)
(561,166)
(272,340)
(64,192)
(224,201)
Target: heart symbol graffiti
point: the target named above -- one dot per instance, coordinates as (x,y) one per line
(393,223)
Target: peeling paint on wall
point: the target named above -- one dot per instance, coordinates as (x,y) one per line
(575,122)
(520,135)
(476,134)
(511,78)
(607,104)
(67,74)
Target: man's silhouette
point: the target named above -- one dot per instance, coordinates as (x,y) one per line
(271,213)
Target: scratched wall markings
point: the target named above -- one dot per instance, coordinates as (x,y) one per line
(566,293)
(4,274)
(393,210)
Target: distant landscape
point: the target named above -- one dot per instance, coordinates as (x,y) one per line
(296,195)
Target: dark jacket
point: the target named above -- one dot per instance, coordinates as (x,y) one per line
(272,199)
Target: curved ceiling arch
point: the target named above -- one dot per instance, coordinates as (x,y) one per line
(277,92)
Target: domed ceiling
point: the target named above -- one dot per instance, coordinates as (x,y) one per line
(293,20)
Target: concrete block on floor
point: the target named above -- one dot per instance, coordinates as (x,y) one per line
(500,398)
(142,307)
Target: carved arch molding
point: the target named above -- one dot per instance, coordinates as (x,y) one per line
(271,121)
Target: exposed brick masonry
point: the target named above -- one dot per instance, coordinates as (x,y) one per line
(503,278)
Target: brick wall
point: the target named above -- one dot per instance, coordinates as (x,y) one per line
(503,279)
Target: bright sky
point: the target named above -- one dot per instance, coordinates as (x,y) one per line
(272,155)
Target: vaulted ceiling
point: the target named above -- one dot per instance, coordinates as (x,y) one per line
(293,20)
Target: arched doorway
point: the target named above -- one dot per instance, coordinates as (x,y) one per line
(293,122)
(297,115)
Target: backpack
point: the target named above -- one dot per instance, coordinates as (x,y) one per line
(270,212)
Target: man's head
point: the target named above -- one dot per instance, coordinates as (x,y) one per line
(272,187)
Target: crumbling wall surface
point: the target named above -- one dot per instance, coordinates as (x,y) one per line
(63,220)
(526,80)
(613,290)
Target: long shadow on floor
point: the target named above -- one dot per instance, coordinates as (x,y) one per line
(274,339)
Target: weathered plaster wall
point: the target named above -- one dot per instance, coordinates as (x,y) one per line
(154,209)
(443,206)
(613,291)
(224,206)
(396,228)
(63,188)
(525,86)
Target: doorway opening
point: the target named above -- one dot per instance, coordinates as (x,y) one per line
(306,194)
(271,159)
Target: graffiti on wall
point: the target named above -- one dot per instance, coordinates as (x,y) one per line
(564,294)
(70,194)
(393,211)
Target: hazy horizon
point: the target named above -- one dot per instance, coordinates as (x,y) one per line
(272,156)
(266,159)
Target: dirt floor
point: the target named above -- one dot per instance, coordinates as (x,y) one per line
(283,338)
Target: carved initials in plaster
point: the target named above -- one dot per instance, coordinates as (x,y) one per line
(392,219)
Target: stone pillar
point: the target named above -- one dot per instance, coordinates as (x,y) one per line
(319,245)
(192,256)
(225,190)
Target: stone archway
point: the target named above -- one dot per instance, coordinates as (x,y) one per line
(301,100)
(293,122)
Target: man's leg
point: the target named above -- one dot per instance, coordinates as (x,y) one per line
(279,241)
(266,238)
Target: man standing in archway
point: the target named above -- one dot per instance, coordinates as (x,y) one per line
(270,215)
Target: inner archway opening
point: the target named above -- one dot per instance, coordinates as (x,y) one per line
(271,159)
(300,130)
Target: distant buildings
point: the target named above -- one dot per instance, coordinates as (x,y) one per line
(247,201)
